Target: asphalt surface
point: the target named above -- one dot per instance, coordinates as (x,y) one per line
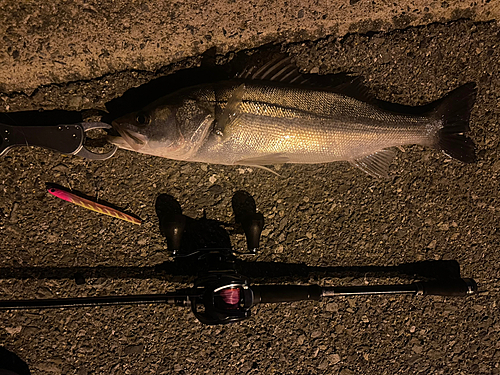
(432,209)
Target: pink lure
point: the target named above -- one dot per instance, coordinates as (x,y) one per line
(93,206)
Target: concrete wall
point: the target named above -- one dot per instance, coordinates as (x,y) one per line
(60,41)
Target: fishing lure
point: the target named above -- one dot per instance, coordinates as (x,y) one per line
(91,205)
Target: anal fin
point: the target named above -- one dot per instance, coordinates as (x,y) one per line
(376,164)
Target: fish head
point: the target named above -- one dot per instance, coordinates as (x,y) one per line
(173,128)
(152,131)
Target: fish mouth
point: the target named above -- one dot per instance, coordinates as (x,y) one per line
(132,138)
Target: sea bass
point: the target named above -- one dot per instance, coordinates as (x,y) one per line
(275,115)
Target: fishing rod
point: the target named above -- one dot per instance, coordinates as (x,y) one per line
(221,295)
(224,297)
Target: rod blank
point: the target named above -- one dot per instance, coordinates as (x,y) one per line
(171,299)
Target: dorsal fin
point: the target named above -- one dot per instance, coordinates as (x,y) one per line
(354,89)
(281,69)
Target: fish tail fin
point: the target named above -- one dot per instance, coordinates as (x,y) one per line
(454,111)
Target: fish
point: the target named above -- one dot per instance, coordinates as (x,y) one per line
(90,205)
(273,114)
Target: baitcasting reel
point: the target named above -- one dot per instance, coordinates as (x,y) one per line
(220,295)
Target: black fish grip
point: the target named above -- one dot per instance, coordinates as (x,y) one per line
(67,139)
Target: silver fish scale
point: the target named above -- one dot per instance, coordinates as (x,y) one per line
(318,103)
(306,126)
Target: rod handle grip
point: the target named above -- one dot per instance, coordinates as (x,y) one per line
(285,293)
(454,287)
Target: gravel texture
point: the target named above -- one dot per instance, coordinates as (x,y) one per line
(432,208)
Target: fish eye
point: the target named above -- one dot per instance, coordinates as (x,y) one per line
(142,119)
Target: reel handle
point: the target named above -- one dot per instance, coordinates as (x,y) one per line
(173,229)
(252,225)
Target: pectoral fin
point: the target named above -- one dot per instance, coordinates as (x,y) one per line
(376,164)
(231,111)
